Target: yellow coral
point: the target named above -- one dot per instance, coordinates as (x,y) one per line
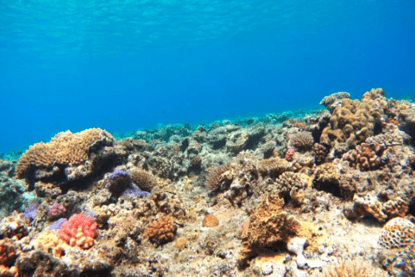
(49,240)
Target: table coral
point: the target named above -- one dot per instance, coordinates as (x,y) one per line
(161,230)
(79,231)
(75,155)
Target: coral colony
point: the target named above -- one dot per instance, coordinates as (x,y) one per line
(328,193)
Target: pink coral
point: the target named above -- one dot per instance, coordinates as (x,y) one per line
(289,155)
(56,211)
(79,230)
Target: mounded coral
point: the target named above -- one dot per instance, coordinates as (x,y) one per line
(67,157)
(302,141)
(118,182)
(161,230)
(397,233)
(143,179)
(219,176)
(49,241)
(79,231)
(210,221)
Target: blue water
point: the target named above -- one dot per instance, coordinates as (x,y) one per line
(125,65)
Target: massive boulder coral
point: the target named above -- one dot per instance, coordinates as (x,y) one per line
(67,157)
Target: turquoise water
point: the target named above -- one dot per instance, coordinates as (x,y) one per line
(127,65)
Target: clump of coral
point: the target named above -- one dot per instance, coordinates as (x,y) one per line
(118,182)
(67,157)
(161,230)
(143,179)
(79,231)
(268,224)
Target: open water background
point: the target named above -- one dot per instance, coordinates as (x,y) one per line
(123,65)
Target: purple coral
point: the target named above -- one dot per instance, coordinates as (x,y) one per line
(118,181)
(30,211)
(57,224)
(134,191)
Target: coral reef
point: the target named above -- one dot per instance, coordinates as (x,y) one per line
(220,199)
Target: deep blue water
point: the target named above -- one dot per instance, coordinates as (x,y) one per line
(125,65)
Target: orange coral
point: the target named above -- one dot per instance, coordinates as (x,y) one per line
(8,272)
(210,221)
(161,230)
(365,156)
(7,252)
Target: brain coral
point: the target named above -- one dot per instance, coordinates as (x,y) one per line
(397,233)
(79,230)
(74,155)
